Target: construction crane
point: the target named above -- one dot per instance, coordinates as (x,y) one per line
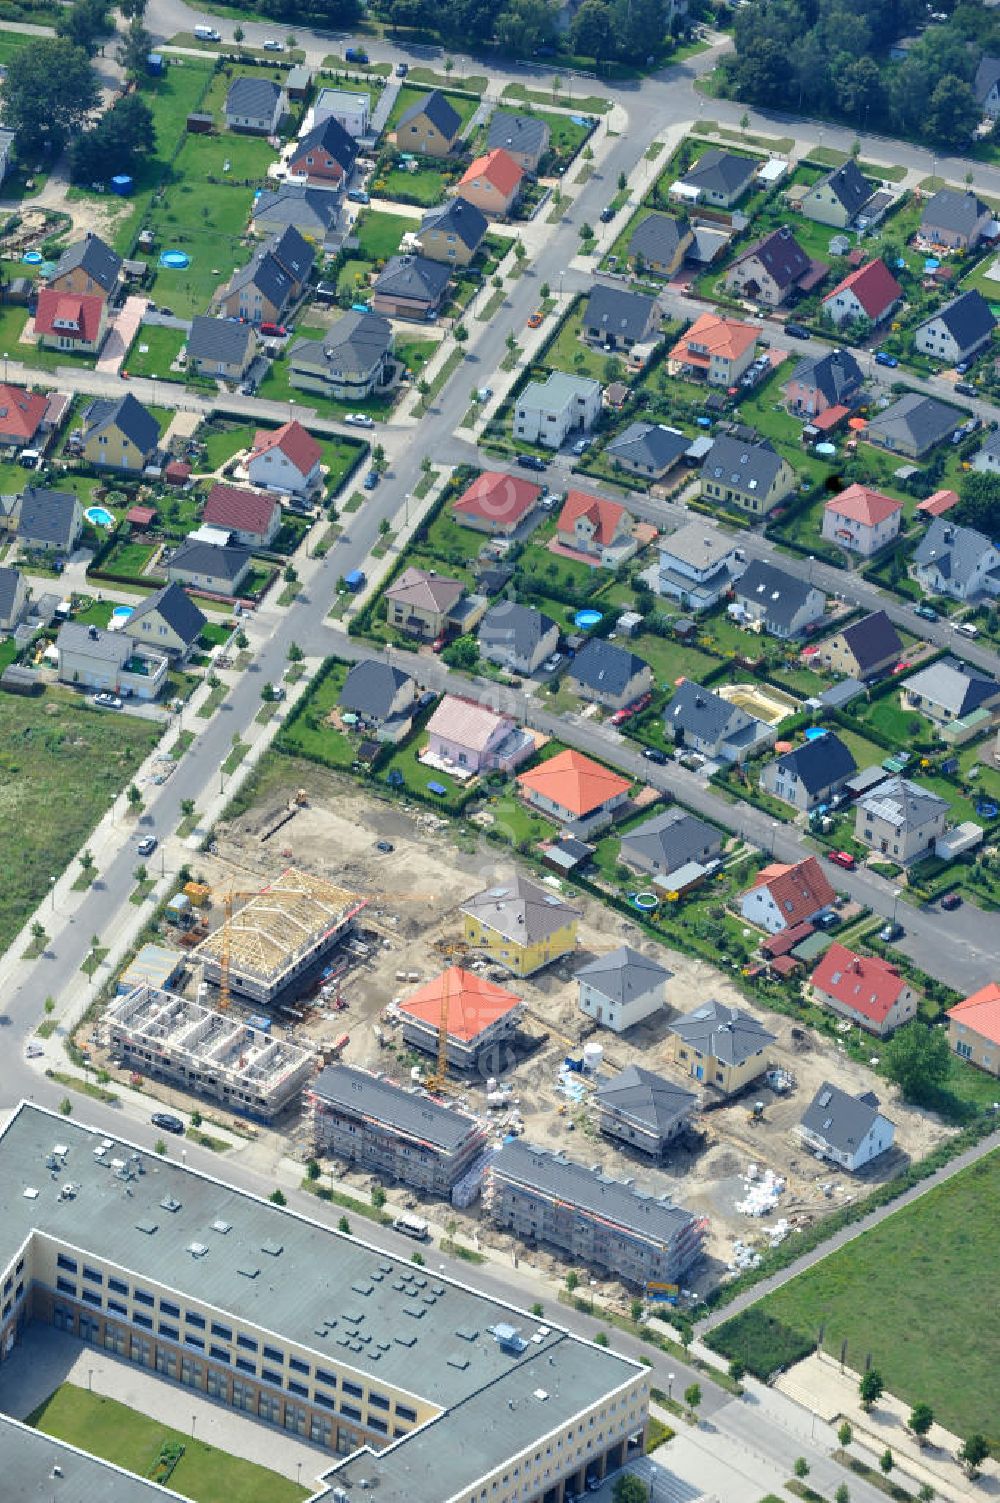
(438,1081)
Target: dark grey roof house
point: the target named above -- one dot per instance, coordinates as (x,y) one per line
(950,690)
(660,240)
(131,419)
(221,343)
(91,255)
(785,604)
(619,319)
(669,842)
(382,696)
(746,472)
(643,1110)
(649,449)
(849,185)
(436,108)
(703,722)
(985,83)
(958,331)
(410,283)
(330,139)
(311,211)
(219,570)
(866,648)
(517,637)
(622,989)
(49,519)
(835,376)
(349,361)
(459,217)
(254,104)
(524,137)
(293,252)
(13,598)
(849,1130)
(957,561)
(264,275)
(168,619)
(723,1034)
(955,218)
(913,425)
(721,177)
(811,773)
(609,674)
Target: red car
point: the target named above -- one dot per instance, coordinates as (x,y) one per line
(842,858)
(269,328)
(950,901)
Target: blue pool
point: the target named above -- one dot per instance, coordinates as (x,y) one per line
(100,516)
(32,258)
(587,619)
(175,260)
(122,612)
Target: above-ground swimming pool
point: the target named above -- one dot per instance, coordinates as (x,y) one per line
(175,260)
(122,612)
(587,619)
(815,732)
(32,258)
(100,516)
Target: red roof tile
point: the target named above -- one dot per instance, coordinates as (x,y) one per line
(799,891)
(938,504)
(574,782)
(606,515)
(497,167)
(140,516)
(874,286)
(864,983)
(82,313)
(293,441)
(499,498)
(473,1003)
(980,1012)
(20,413)
(860,504)
(239,510)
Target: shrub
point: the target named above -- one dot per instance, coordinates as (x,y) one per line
(762,1343)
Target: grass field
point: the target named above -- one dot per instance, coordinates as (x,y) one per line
(425,186)
(162,347)
(914,1293)
(379,233)
(132,1440)
(60,766)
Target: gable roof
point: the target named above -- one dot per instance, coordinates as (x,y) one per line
(329,136)
(797,891)
(781,594)
(624,974)
(849,186)
(109,646)
(72,314)
(221,339)
(874,286)
(410,1113)
(605,667)
(426,591)
(671,839)
(859,503)
(819,762)
(953,209)
(650,1099)
(615,311)
(371,686)
(178,610)
(574,782)
(605,515)
(196,557)
(265,272)
(867,984)
(466,722)
(700,713)
(436,108)
(968,319)
(10,579)
(939,502)
(518,626)
(293,253)
(495,496)
(902,803)
(956,552)
(872,641)
(718,171)
(725,1033)
(253,97)
(356,344)
(127,415)
(957,687)
(238,509)
(97,259)
(298,206)
(471,1003)
(657,238)
(987,76)
(298,446)
(980,1012)
(781,255)
(48,516)
(520,910)
(750,465)
(652,444)
(497,167)
(839,1119)
(413,277)
(924,421)
(527,134)
(21,412)
(457,216)
(835,374)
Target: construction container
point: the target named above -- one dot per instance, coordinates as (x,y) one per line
(178,910)
(198,893)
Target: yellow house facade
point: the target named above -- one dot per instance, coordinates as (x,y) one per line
(720,1046)
(520,926)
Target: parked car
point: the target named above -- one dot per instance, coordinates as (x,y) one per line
(797,331)
(883,358)
(167,1122)
(108,701)
(965,389)
(147,845)
(926,613)
(891,931)
(167,312)
(535,319)
(276,331)
(385,846)
(842,858)
(607,214)
(358,196)
(402,69)
(962,367)
(359,420)
(531,462)
(653,754)
(355,55)
(272,44)
(951,901)
(371,480)
(581,446)
(552,663)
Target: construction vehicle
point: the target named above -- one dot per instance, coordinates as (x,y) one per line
(756,1113)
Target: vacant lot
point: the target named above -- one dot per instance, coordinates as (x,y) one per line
(914,1293)
(60,766)
(133,1440)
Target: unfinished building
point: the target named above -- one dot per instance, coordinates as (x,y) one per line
(479,1017)
(168,1038)
(542,1196)
(279,936)
(399,1134)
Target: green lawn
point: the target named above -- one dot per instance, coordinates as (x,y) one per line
(225,440)
(425,186)
(887,716)
(416,777)
(153,350)
(379,233)
(515,823)
(132,1440)
(58,774)
(415,353)
(914,1293)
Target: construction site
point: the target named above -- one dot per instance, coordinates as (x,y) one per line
(375,890)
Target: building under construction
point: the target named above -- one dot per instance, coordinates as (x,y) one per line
(403,1135)
(477,1016)
(207,1053)
(279,936)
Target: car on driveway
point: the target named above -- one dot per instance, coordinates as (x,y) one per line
(581,446)
(273,331)
(402,69)
(842,858)
(147,845)
(359,420)
(167,1122)
(882,358)
(108,701)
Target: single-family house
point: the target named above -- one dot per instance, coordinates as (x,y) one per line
(811,773)
(497,503)
(293,254)
(520,925)
(474,739)
(325,155)
(955,218)
(913,426)
(783,896)
(285,459)
(718,177)
(948,691)
(714,349)
(901,820)
(974,1028)
(957,561)
(523,137)
(697,566)
(861,520)
(772,600)
(575,791)
(703,722)
(986,86)
(382,697)
(351,360)
(427,605)
(259,292)
(220,347)
(619,320)
(599,529)
(648,449)
(70,321)
(410,287)
(659,244)
(958,331)
(87,267)
(252,518)
(108,662)
(720,1046)
(819,382)
(622,988)
(865,989)
(255,105)
(119,433)
(771,270)
(430,127)
(609,675)
(352,111)
(848,1130)
(452,232)
(746,473)
(491,182)
(517,637)
(838,198)
(13,598)
(865,650)
(22,414)
(867,295)
(168,620)
(643,1110)
(987,458)
(313,212)
(668,843)
(548,411)
(217,571)
(49,521)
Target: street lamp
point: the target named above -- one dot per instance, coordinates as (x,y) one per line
(670,1384)
(193,1418)
(52,890)
(6,357)
(812,560)
(90,1380)
(896,895)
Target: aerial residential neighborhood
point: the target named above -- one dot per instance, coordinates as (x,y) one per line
(500,730)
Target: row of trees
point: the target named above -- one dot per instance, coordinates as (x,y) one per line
(972,1453)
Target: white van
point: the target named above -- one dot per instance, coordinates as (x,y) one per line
(412,1226)
(207,34)
(967,629)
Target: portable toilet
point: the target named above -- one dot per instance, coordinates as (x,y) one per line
(154,64)
(197,893)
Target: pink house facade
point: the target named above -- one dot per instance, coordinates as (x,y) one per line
(468,739)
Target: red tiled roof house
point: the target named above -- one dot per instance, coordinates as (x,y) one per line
(496,503)
(787,895)
(861,520)
(70,321)
(974,1028)
(492,183)
(870,294)
(253,519)
(285,459)
(863,988)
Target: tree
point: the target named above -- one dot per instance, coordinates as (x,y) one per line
(160,1147)
(572,1281)
(65,1106)
(196,1118)
(870,1388)
(801,1467)
(277,1198)
(140,874)
(920,1421)
(886,1461)
(635,1310)
(980,503)
(83,22)
(538,1309)
(343,1225)
(845,1434)
(592,33)
(238,34)
(290,574)
(737,1369)
(926,1493)
(295,653)
(378,1197)
(87,863)
(918,1060)
(125,135)
(601,1339)
(134,50)
(49,91)
(629,1488)
(974,1451)
(38,933)
(692,1395)
(187,807)
(461,333)
(954,113)
(520,253)
(312,1170)
(843,1494)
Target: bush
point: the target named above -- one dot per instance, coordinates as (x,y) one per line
(765,1345)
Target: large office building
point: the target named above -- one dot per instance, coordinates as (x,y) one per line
(404,1380)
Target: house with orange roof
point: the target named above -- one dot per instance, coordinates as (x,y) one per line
(492,182)
(861,520)
(285,459)
(864,989)
(497,503)
(583,795)
(478,1016)
(974,1028)
(71,321)
(784,896)
(716,350)
(602,531)
(466,738)
(22,413)
(867,295)
(520,925)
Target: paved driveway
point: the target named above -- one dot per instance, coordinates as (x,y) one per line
(124,325)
